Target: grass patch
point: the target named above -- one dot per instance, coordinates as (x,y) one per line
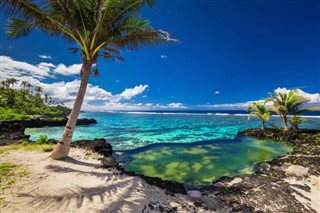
(27,147)
(10,173)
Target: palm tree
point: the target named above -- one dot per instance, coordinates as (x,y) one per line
(288,103)
(98,27)
(294,121)
(11,81)
(24,84)
(38,90)
(46,97)
(260,110)
(28,85)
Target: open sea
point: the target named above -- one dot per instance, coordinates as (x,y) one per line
(191,147)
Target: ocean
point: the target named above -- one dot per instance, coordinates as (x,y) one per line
(129,130)
(190,147)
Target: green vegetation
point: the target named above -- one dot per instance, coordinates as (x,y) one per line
(261,111)
(25,146)
(284,104)
(42,139)
(20,104)
(10,173)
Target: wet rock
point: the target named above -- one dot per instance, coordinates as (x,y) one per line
(109,162)
(194,193)
(261,167)
(99,145)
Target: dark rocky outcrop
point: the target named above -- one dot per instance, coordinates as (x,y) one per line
(98,145)
(13,131)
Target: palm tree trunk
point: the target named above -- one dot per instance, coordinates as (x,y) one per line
(262,125)
(62,148)
(285,123)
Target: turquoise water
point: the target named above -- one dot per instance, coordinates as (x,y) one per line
(200,163)
(191,148)
(132,130)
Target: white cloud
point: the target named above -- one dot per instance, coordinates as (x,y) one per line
(217,92)
(164,56)
(70,70)
(13,69)
(176,106)
(127,94)
(45,56)
(313,98)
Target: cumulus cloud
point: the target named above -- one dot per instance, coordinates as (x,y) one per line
(96,98)
(45,56)
(217,92)
(68,70)
(314,99)
(12,69)
(163,56)
(128,93)
(176,106)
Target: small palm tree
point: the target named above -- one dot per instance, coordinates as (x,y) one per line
(288,103)
(98,27)
(294,121)
(260,110)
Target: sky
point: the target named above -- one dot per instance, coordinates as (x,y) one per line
(231,53)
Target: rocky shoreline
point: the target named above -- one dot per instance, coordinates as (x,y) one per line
(279,185)
(13,131)
(284,184)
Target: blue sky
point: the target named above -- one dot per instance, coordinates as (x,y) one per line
(231,52)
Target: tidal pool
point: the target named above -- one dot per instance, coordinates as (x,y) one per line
(200,163)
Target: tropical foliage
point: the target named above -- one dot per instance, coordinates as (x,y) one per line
(97,27)
(19,104)
(285,104)
(260,110)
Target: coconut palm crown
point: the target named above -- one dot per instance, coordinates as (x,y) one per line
(96,27)
(260,110)
(285,104)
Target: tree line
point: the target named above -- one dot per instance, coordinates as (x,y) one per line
(28,100)
(283,104)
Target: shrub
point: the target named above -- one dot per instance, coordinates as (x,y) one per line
(42,139)
(24,143)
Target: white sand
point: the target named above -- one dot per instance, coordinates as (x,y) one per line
(80,184)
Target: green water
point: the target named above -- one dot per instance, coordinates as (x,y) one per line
(200,163)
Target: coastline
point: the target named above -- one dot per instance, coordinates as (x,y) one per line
(290,182)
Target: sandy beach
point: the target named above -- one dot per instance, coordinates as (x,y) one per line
(80,184)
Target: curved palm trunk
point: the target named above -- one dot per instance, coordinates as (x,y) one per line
(62,148)
(285,123)
(262,125)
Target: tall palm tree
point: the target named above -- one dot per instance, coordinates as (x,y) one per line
(11,81)
(260,110)
(24,84)
(38,90)
(28,86)
(285,104)
(98,27)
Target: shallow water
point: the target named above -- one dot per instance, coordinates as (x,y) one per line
(200,163)
(133,130)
